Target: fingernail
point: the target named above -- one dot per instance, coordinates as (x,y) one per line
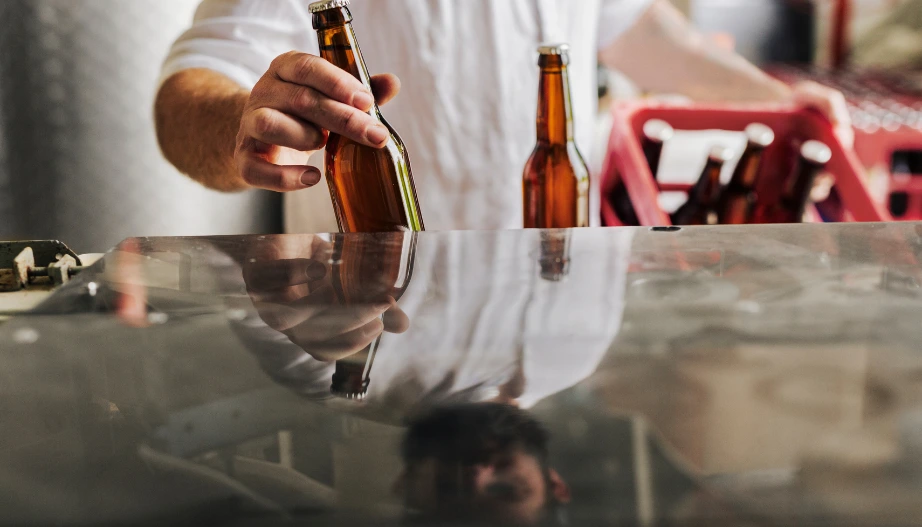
(363,100)
(377,134)
(310,178)
(316,271)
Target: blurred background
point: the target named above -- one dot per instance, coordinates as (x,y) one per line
(78,157)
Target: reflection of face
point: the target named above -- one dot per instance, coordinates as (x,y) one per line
(511,487)
(484,463)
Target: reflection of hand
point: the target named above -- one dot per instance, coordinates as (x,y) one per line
(131,296)
(292,288)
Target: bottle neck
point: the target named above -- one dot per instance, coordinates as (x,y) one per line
(709,184)
(352,375)
(799,186)
(747,173)
(555,111)
(339,45)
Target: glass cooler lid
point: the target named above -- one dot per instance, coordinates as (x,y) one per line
(754,375)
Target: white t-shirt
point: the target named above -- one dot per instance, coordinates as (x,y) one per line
(470,87)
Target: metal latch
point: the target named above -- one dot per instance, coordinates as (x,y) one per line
(40,263)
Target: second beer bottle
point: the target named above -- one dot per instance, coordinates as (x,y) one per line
(556,180)
(372,189)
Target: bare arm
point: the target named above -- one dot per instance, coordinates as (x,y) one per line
(663,53)
(231,139)
(197,113)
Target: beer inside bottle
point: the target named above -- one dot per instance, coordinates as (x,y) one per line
(372,189)
(556,180)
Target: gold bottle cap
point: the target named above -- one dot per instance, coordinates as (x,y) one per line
(324,5)
(347,385)
(816,152)
(760,135)
(658,130)
(349,396)
(554,49)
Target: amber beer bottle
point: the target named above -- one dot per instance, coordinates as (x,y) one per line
(701,207)
(367,270)
(739,198)
(372,189)
(656,133)
(814,155)
(556,180)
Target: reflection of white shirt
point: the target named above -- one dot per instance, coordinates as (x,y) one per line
(467,108)
(478,314)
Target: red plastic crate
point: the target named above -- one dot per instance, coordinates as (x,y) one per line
(890,95)
(876,150)
(625,159)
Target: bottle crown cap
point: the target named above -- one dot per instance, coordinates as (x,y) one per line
(658,130)
(324,5)
(816,152)
(560,48)
(720,154)
(760,135)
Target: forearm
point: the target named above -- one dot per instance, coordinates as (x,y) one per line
(197,114)
(663,53)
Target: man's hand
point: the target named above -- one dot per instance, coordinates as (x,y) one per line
(292,110)
(831,103)
(291,286)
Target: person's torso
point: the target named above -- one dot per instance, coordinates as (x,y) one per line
(467,106)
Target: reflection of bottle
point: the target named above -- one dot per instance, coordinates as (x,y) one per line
(555,255)
(556,180)
(372,189)
(368,269)
(701,208)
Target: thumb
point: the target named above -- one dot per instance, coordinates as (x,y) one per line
(385,87)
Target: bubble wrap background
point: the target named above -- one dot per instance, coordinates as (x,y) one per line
(78,154)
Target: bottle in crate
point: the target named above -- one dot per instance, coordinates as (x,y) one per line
(739,198)
(812,160)
(703,199)
(656,133)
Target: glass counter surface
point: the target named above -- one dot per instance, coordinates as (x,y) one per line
(763,375)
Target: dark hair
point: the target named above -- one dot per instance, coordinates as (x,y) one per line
(473,433)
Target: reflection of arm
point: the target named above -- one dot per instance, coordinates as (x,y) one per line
(663,53)
(286,363)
